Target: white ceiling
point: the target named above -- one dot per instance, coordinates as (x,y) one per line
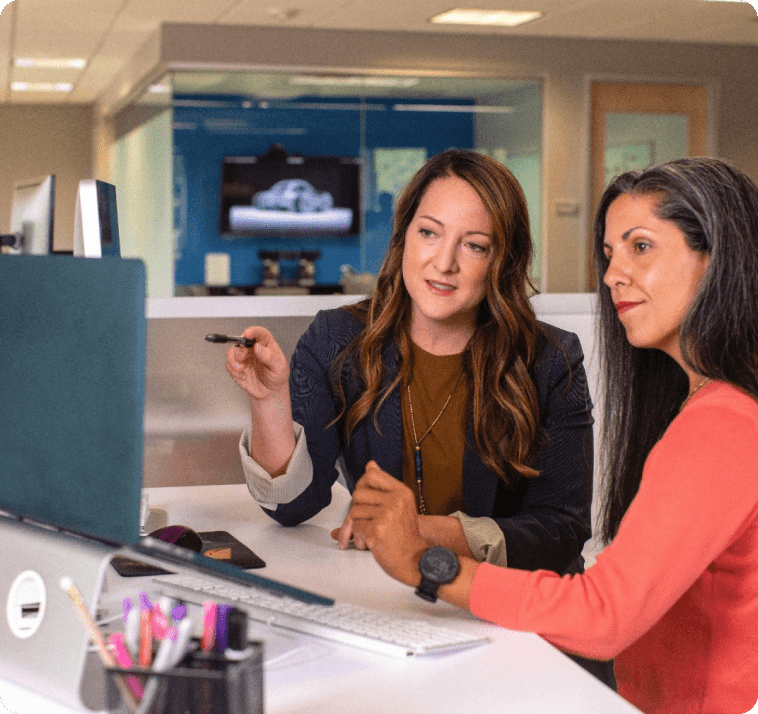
(107,33)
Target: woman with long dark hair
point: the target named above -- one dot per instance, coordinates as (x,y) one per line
(444,377)
(674,596)
(714,206)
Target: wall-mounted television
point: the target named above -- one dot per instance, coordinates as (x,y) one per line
(290,196)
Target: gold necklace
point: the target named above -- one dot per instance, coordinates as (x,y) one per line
(419,470)
(694,392)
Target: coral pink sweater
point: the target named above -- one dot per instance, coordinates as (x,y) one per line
(674,598)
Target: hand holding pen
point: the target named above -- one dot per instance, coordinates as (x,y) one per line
(262,371)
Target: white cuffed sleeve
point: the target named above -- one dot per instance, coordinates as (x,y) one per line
(485,539)
(269,491)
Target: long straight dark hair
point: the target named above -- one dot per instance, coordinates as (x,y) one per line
(715,206)
(499,356)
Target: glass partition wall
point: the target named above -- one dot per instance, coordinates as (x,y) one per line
(276,182)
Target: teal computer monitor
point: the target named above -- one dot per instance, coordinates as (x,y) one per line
(72,380)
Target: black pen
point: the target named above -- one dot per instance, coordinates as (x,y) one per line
(240,341)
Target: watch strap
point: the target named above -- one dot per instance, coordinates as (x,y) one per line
(427,589)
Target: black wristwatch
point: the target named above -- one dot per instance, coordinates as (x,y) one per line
(438,566)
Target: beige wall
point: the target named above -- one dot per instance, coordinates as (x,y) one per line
(38,139)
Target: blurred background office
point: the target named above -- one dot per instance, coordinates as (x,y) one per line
(170,100)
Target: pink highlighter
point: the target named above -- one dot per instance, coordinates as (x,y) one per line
(208,639)
(124,659)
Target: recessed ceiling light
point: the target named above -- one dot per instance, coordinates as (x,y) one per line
(72,63)
(506,18)
(41,87)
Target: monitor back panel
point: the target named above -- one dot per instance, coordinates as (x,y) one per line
(72,380)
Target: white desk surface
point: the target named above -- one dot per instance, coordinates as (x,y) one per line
(517,672)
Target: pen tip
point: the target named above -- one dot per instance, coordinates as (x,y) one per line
(65,582)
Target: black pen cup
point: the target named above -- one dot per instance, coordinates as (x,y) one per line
(202,683)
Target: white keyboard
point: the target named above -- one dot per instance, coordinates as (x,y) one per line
(343,623)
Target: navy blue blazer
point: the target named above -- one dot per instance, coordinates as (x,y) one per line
(546,520)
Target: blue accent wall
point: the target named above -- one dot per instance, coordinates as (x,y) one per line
(208,128)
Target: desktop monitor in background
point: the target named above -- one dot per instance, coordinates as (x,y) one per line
(96,221)
(31,227)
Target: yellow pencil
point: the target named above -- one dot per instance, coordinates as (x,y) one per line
(67,585)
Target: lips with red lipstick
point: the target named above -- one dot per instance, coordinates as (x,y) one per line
(623,306)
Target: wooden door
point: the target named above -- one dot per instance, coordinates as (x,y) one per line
(656,102)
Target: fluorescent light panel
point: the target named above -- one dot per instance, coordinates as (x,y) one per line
(503,18)
(49,63)
(41,86)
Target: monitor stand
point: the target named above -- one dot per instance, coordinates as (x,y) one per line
(45,645)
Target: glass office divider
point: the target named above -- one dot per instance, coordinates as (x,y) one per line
(391,123)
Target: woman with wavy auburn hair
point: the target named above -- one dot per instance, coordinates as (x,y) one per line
(443,377)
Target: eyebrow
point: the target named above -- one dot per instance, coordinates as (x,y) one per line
(468,233)
(624,236)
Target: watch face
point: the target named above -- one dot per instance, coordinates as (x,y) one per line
(440,565)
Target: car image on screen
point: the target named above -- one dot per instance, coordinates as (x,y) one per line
(294,195)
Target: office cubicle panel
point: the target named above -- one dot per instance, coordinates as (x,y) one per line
(195,412)
(72,380)
(576,312)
